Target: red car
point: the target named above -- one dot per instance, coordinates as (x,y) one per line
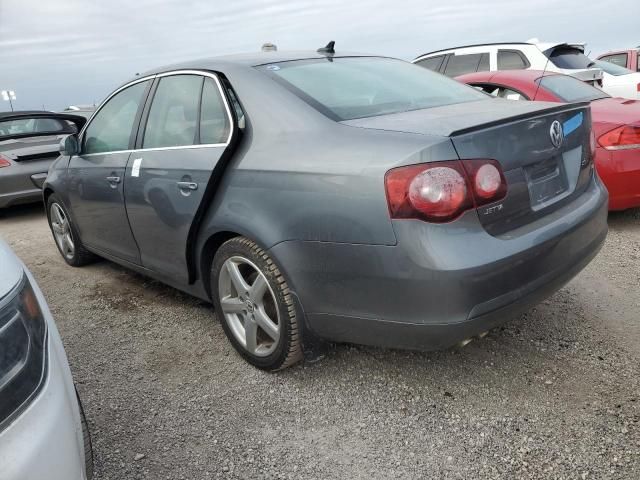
(616,123)
(625,58)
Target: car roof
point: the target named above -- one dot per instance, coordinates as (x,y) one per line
(249,60)
(543,46)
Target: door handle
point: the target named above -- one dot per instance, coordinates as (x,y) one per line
(113,179)
(187,185)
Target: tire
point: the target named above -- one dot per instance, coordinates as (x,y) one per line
(257,311)
(74,253)
(86,436)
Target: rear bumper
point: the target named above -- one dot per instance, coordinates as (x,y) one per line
(441,283)
(22,182)
(620,172)
(23,196)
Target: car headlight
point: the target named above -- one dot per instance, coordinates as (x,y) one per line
(23,332)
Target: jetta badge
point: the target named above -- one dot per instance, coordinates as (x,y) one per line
(556,134)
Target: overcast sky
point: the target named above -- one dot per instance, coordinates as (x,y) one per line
(61,52)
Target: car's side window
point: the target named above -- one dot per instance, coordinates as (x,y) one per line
(214,120)
(500,91)
(483,66)
(619,59)
(461,64)
(173,117)
(432,63)
(111,128)
(511,60)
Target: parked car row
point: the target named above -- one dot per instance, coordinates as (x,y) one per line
(617,75)
(316,197)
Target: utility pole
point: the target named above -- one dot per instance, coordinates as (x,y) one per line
(9,95)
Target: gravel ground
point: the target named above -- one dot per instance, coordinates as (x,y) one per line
(553,394)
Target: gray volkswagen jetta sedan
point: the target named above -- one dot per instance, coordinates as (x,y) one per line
(317,196)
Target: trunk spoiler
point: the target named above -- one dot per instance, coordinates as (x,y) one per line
(560,108)
(78,122)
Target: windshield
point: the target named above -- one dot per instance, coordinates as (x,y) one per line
(345,88)
(569,89)
(569,57)
(612,68)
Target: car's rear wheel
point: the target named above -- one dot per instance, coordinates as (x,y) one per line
(255,306)
(65,234)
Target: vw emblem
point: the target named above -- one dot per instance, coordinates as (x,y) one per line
(556,134)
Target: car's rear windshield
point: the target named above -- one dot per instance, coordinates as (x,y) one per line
(569,89)
(612,68)
(569,57)
(344,88)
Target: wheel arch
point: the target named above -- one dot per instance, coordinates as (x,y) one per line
(46,193)
(208,251)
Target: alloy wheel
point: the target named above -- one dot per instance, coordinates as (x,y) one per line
(62,231)
(249,306)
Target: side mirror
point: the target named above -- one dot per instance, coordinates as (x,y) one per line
(69,146)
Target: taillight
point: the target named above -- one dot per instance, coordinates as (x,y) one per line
(4,162)
(442,191)
(622,138)
(487,179)
(638,87)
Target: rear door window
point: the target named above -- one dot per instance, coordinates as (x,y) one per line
(433,63)
(619,59)
(569,57)
(461,64)
(173,117)
(511,60)
(111,128)
(214,120)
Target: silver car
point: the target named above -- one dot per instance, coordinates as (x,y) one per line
(28,145)
(316,196)
(43,431)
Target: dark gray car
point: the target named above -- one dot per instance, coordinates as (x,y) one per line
(29,143)
(321,196)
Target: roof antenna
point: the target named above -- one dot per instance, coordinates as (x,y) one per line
(269,47)
(328,49)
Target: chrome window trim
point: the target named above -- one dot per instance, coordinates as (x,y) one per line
(201,73)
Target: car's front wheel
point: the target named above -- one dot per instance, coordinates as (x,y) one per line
(255,306)
(65,234)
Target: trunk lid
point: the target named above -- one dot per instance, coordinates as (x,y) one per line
(541,176)
(32,148)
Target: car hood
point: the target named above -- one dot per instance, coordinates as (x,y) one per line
(450,119)
(616,111)
(11,268)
